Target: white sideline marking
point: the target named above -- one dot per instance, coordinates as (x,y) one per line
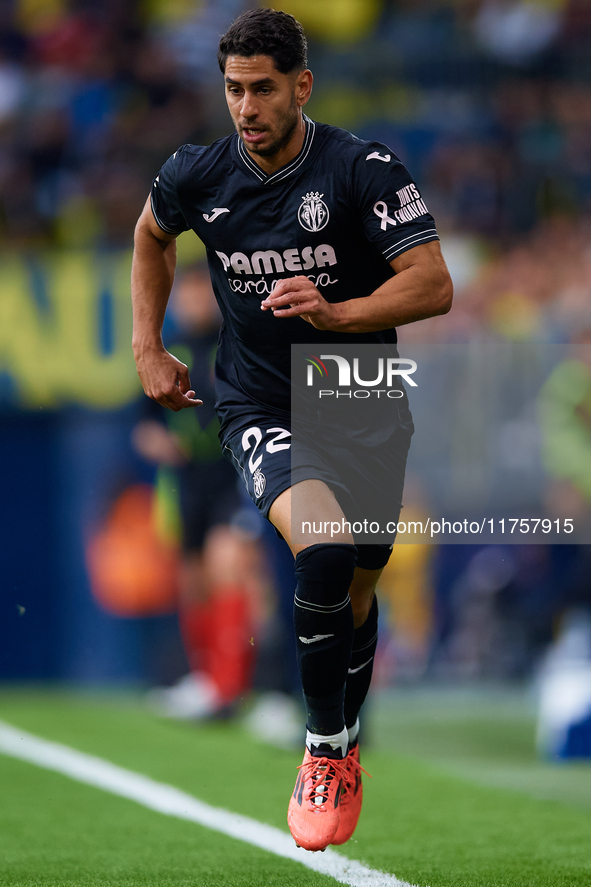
(174,802)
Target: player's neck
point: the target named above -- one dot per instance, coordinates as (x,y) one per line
(285,154)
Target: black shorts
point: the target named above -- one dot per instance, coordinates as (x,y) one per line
(264,458)
(208,497)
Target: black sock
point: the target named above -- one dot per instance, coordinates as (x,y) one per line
(365,641)
(323,622)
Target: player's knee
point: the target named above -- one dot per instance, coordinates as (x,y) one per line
(324,573)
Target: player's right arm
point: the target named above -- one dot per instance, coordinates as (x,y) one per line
(164,378)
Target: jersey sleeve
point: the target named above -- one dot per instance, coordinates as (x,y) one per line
(393,213)
(164,197)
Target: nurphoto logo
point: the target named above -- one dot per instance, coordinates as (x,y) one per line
(347,374)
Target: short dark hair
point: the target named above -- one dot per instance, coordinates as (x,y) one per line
(266,32)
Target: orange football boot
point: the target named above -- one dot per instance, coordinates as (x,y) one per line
(313,813)
(351,797)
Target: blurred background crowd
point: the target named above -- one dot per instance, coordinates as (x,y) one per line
(488,102)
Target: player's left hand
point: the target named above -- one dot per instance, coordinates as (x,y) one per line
(298,297)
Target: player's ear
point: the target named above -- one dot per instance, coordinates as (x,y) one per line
(303,87)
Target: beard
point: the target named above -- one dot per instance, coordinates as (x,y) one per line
(283,133)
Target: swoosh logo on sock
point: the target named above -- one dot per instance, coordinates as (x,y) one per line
(355,670)
(317,637)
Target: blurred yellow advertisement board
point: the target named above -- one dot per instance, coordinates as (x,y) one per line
(65,328)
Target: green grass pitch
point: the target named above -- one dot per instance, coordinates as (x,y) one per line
(458,799)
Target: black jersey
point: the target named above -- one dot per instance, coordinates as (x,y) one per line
(339,213)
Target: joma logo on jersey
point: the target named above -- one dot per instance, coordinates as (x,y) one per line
(269,261)
(313,214)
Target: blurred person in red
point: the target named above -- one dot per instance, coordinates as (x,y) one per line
(219,570)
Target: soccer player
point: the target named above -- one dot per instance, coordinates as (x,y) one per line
(312,236)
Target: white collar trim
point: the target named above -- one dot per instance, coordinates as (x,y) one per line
(285,171)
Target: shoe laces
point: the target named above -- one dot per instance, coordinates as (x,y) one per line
(352,777)
(321,772)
